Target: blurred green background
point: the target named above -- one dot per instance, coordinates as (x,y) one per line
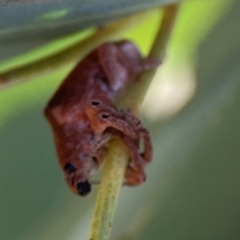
(193,114)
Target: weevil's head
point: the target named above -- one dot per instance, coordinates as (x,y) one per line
(78,155)
(77,179)
(80,163)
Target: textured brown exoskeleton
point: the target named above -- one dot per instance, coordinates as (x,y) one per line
(84,116)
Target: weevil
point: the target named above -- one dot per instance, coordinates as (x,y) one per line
(84,116)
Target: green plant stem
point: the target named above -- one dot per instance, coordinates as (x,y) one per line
(117,158)
(108,192)
(72,54)
(136,93)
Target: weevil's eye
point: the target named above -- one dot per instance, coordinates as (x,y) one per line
(69,168)
(95,103)
(83,188)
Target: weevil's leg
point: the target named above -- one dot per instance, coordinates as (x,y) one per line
(103,116)
(99,155)
(147,145)
(142,133)
(117,75)
(133,178)
(135,173)
(129,125)
(105,138)
(124,121)
(100,121)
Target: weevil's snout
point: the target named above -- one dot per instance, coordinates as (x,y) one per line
(83,188)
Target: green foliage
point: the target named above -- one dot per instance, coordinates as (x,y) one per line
(192,188)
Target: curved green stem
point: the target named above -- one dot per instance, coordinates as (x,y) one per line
(117,158)
(108,192)
(136,93)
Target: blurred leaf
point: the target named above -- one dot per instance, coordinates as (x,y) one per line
(25,25)
(199,149)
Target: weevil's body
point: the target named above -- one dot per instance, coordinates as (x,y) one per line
(84,117)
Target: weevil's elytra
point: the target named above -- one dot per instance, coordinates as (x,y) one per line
(84,117)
